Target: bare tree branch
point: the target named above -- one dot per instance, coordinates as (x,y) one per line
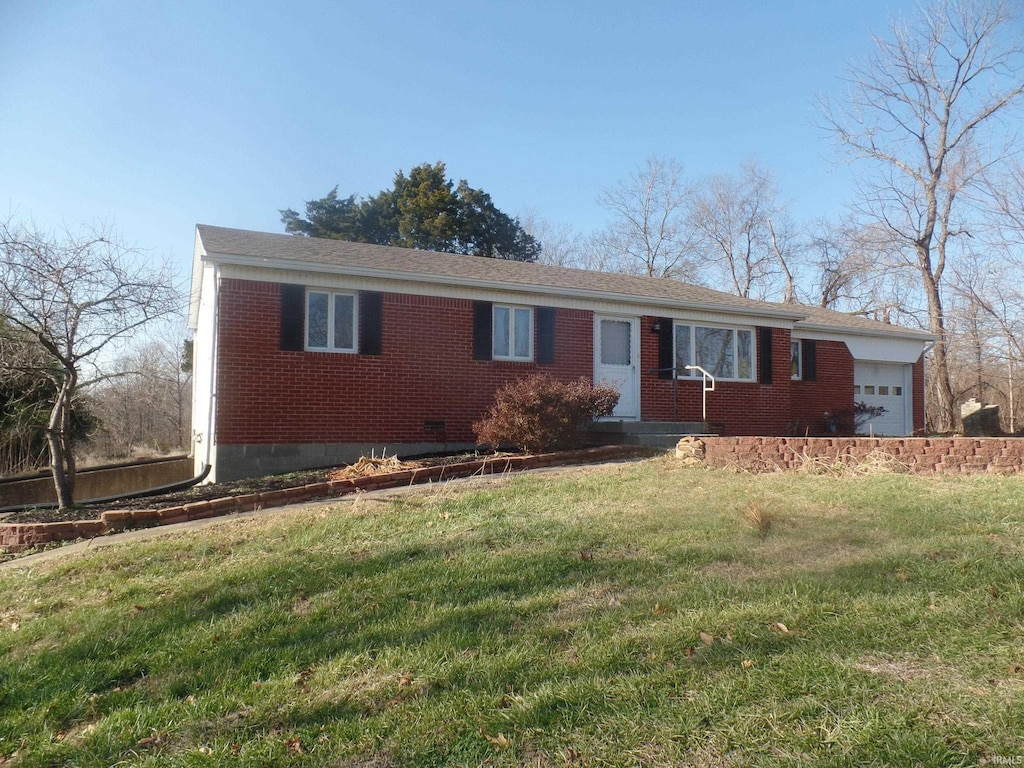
(915,114)
(76,295)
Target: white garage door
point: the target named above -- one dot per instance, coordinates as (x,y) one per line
(887,385)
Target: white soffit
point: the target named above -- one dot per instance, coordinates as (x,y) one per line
(886,350)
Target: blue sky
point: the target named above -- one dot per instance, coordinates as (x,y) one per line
(155,116)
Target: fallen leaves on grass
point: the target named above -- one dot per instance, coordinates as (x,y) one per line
(499,742)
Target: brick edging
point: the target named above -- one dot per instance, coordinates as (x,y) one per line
(17,537)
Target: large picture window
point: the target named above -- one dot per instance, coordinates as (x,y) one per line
(725,353)
(512,333)
(331,321)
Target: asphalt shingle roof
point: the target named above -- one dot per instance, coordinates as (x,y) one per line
(408,263)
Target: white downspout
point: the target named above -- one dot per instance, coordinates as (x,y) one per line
(213,365)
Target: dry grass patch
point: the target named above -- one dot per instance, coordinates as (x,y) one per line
(877,462)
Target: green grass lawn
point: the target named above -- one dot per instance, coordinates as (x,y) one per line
(638,614)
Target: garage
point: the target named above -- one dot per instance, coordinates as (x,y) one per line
(889,386)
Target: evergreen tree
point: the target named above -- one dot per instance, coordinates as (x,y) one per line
(424,210)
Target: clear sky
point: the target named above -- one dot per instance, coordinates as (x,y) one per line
(154,116)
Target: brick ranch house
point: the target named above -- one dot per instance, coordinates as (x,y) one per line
(312,352)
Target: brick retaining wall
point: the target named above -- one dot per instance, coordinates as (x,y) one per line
(923,455)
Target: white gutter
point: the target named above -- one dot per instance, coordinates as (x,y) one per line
(848,330)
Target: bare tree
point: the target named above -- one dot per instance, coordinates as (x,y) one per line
(77,296)
(857,269)
(988,329)
(1007,195)
(144,409)
(916,112)
(744,237)
(561,245)
(648,234)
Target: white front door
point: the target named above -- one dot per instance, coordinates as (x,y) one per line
(616,361)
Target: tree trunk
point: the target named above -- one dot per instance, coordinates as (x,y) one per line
(62,461)
(945,419)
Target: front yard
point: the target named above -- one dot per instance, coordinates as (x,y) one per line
(639,614)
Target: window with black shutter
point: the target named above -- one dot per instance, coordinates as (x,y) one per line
(293,317)
(764,355)
(545,335)
(809,355)
(371,322)
(666,348)
(482,320)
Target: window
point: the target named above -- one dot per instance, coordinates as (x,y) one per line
(331,321)
(616,342)
(725,353)
(856,389)
(883,390)
(796,362)
(897,391)
(512,333)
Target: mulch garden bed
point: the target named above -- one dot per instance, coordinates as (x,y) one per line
(210,491)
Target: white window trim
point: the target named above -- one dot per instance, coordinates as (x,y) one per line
(799,375)
(512,333)
(330,322)
(735,349)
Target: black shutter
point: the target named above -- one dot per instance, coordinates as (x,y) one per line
(545,335)
(666,348)
(764,354)
(371,312)
(293,317)
(809,358)
(482,320)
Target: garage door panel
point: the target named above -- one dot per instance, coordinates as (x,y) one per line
(883,385)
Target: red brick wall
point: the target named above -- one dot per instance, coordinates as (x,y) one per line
(832,391)
(426,372)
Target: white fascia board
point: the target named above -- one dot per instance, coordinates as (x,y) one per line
(497,285)
(196,289)
(836,333)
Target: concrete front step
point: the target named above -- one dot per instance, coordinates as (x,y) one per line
(649,434)
(651,427)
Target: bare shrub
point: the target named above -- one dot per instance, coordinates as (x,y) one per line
(760,519)
(540,413)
